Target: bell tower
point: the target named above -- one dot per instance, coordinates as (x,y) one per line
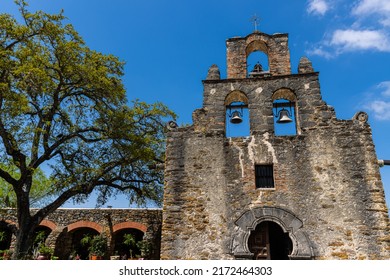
(311,191)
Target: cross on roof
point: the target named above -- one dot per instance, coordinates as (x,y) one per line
(255,19)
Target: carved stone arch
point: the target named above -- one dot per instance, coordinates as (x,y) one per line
(236,96)
(284,93)
(290,223)
(257,42)
(258,45)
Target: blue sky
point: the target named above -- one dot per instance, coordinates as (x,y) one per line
(169,45)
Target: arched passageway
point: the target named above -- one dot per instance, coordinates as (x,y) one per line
(79,249)
(125,242)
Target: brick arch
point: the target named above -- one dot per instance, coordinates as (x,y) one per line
(9,222)
(85,224)
(125,225)
(49,224)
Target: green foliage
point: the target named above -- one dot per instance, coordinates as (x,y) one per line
(97,244)
(129,240)
(145,248)
(63,106)
(40,238)
(40,190)
(3,235)
(45,250)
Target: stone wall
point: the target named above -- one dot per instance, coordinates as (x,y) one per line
(328,195)
(275,46)
(105,221)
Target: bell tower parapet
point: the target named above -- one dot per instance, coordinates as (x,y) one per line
(274,46)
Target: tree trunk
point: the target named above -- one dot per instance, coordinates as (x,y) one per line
(24,238)
(26,223)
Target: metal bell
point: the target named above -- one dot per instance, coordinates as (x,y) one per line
(236,118)
(284,116)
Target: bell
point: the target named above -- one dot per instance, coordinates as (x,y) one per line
(236,118)
(284,117)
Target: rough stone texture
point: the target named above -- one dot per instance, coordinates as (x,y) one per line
(328,193)
(305,66)
(213,73)
(105,221)
(275,46)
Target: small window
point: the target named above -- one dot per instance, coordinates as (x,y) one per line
(264,175)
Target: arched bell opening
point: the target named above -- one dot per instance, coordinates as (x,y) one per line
(257,65)
(257,60)
(237,115)
(268,241)
(285,113)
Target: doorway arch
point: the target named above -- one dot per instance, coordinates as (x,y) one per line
(285,225)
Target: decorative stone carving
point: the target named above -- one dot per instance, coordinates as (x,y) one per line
(361,117)
(171,125)
(285,219)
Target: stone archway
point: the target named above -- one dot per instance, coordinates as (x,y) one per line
(288,222)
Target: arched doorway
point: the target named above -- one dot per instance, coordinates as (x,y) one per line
(79,249)
(269,242)
(285,233)
(125,242)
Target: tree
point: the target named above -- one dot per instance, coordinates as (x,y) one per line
(40,189)
(63,106)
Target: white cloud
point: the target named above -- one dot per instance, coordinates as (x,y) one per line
(378,101)
(374,7)
(319,7)
(380,108)
(350,40)
(319,51)
(386,88)
(367,7)
(386,22)
(369,30)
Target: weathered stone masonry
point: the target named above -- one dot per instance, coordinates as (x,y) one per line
(63,223)
(328,196)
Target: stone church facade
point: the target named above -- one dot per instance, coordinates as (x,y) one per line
(315,193)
